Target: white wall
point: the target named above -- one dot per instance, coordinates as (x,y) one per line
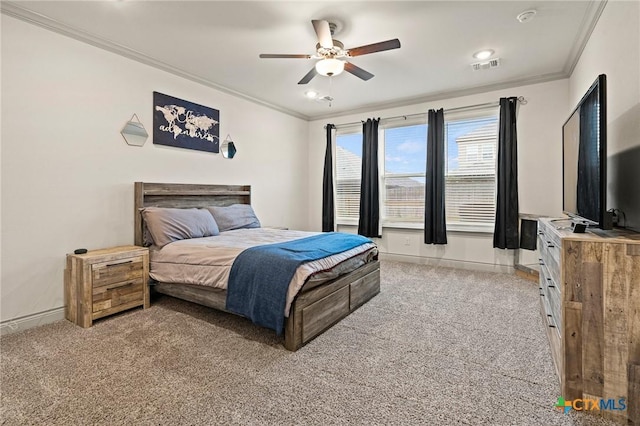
(539,174)
(67,174)
(614,49)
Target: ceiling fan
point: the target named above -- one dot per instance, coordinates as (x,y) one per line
(332,53)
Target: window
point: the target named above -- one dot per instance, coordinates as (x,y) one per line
(470,174)
(348,171)
(405,151)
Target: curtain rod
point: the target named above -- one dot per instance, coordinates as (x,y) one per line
(520,99)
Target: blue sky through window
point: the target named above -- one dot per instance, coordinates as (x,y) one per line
(351,142)
(406,147)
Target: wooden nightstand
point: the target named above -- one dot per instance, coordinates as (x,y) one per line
(104,282)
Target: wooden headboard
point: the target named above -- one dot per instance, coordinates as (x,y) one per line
(184,195)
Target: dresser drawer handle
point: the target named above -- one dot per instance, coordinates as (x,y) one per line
(551,286)
(550,244)
(540,261)
(119,263)
(125,284)
(552,326)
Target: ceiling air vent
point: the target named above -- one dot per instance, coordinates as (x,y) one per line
(485,65)
(324,99)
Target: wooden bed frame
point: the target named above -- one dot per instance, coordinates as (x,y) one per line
(312,311)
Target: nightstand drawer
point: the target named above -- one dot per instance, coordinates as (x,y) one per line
(117,271)
(112,295)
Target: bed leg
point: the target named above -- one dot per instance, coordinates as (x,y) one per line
(293,330)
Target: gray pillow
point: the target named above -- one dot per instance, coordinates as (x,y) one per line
(235,216)
(147,239)
(167,225)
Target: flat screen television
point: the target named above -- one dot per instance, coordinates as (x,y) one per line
(584,156)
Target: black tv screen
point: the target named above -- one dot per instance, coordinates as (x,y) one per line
(584,155)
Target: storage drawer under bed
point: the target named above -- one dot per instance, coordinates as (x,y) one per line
(363,289)
(321,314)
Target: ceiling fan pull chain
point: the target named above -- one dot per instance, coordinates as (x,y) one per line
(330,90)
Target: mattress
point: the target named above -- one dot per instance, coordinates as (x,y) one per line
(207,261)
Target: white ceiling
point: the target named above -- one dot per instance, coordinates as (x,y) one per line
(218,43)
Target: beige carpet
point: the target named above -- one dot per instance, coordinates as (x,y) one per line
(437,346)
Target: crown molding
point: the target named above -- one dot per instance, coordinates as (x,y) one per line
(448,95)
(12,9)
(589,22)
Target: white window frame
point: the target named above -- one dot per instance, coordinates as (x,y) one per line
(344,130)
(392,124)
(492,111)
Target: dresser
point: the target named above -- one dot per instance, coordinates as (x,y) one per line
(590,306)
(104,282)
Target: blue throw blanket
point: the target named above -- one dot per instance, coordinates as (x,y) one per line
(260,276)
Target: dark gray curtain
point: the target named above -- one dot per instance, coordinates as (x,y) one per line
(505,234)
(369,222)
(328,208)
(435,224)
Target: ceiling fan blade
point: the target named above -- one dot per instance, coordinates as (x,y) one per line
(375,47)
(273,55)
(307,78)
(323,32)
(357,71)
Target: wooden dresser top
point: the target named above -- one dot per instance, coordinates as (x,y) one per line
(562,228)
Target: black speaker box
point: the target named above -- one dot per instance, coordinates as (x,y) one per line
(607,221)
(528,234)
(578,228)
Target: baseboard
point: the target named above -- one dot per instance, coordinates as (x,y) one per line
(448,263)
(29,321)
(527,272)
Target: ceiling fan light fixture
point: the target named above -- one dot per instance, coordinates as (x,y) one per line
(330,66)
(332,56)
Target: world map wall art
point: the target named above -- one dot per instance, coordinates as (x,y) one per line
(184,124)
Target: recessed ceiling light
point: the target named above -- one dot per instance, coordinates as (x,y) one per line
(526,16)
(483,54)
(311,94)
